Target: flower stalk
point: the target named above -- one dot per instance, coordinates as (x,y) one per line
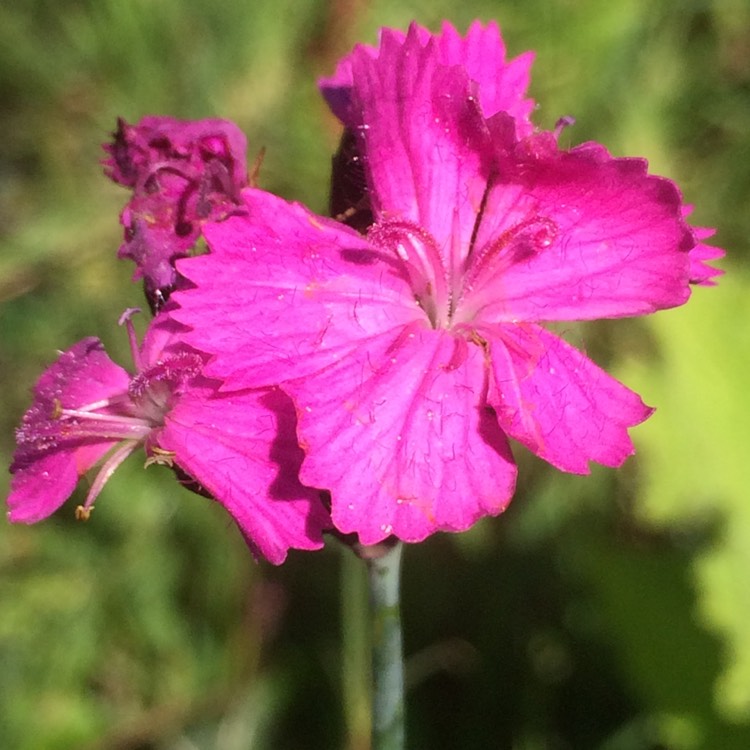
(387,651)
(355,635)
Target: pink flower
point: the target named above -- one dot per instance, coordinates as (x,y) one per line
(238,447)
(413,353)
(182,174)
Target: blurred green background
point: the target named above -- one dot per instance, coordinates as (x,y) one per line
(608,612)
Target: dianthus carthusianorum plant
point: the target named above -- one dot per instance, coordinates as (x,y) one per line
(362,374)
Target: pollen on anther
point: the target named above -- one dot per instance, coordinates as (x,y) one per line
(83,513)
(159,457)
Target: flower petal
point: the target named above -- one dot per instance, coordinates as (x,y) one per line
(398,431)
(47,465)
(502,84)
(38,489)
(418,104)
(424,140)
(557,402)
(242,448)
(337,89)
(578,235)
(81,375)
(700,272)
(284,292)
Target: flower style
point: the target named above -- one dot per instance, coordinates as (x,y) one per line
(182,174)
(239,448)
(413,353)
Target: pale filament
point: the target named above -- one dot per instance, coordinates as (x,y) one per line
(108,468)
(94,417)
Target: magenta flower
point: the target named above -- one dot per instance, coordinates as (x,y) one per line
(239,447)
(181,174)
(413,353)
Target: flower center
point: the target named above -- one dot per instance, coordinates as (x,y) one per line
(421,263)
(455,296)
(152,391)
(123,416)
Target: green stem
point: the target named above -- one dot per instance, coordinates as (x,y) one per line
(356,674)
(387,652)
